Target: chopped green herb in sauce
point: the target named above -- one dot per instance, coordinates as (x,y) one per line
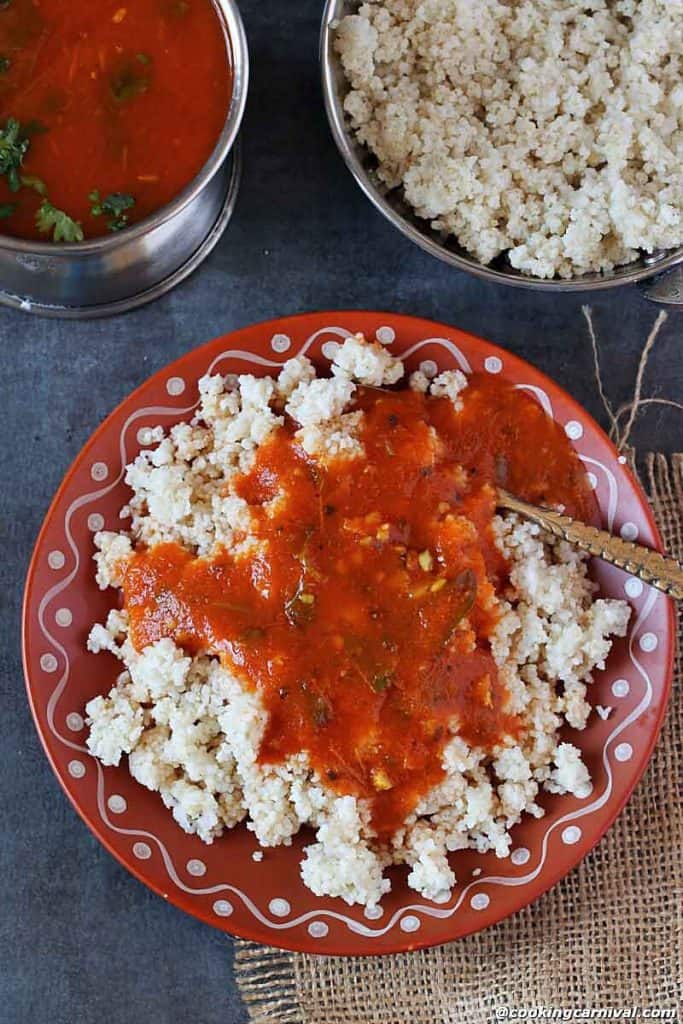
(32,181)
(7,209)
(13,147)
(114,207)
(5,65)
(465,585)
(129,80)
(252,634)
(319,707)
(300,608)
(63,228)
(381,682)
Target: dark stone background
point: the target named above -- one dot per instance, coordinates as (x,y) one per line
(80,939)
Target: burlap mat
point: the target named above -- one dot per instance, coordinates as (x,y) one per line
(609,935)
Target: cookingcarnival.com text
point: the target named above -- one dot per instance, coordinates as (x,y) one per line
(524,1013)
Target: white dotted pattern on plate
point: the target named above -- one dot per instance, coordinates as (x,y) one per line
(621,687)
(373,913)
(280,343)
(623,752)
(318,929)
(223,908)
(520,856)
(385,335)
(330,349)
(573,430)
(629,531)
(196,867)
(279,907)
(63,617)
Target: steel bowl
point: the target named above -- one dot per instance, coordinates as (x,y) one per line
(391,203)
(131,267)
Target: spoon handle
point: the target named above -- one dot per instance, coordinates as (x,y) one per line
(665,574)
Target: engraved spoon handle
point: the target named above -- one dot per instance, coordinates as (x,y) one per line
(665,574)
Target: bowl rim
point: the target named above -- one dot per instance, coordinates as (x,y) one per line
(237,58)
(348,150)
(115,307)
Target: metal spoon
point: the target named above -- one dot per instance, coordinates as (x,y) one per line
(665,574)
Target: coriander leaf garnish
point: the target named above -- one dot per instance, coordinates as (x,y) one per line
(13,146)
(5,65)
(114,206)
(64,228)
(465,586)
(7,209)
(143,58)
(34,182)
(129,81)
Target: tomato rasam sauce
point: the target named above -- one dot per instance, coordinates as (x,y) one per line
(365,619)
(119,97)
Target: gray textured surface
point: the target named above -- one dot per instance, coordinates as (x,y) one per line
(81,940)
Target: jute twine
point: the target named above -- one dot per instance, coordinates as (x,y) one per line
(609,935)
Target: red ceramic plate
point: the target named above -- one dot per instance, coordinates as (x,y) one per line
(267,901)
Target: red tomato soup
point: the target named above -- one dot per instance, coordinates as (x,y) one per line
(107,110)
(380,577)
